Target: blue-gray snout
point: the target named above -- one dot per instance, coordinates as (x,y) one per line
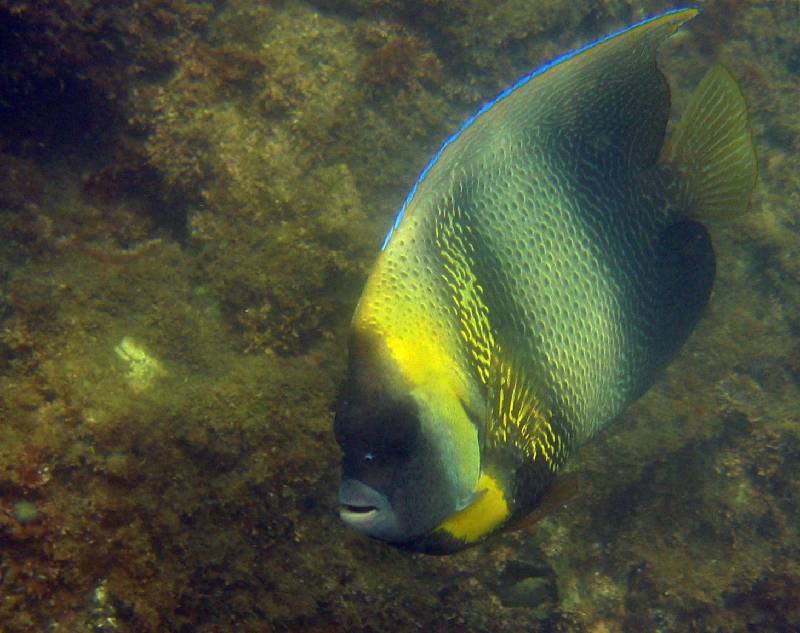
(365,509)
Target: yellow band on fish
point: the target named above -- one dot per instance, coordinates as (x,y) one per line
(481,517)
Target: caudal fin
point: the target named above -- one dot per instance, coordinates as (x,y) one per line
(712,147)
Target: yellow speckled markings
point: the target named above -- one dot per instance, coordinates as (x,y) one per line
(520,417)
(453,242)
(416,336)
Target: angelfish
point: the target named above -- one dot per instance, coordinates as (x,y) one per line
(547,263)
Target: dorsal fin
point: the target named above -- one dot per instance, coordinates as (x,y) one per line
(609,96)
(609,93)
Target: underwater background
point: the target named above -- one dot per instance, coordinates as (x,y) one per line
(191,196)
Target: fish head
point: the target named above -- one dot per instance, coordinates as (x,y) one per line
(402,474)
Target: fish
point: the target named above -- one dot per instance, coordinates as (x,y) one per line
(546,265)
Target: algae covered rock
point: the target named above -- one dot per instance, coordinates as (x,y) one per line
(280,233)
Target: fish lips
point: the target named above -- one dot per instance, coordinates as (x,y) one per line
(368,511)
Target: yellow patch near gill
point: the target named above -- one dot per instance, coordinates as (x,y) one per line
(421,360)
(416,340)
(466,292)
(482,516)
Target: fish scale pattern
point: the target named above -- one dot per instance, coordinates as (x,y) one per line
(554,285)
(559,204)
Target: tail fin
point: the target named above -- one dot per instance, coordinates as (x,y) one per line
(712,148)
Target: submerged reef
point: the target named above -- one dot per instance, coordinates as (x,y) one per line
(191,195)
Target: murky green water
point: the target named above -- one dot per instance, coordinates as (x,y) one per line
(191,196)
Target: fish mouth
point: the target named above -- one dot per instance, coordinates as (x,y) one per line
(355,514)
(365,509)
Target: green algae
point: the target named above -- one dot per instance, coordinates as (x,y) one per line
(25,512)
(258,152)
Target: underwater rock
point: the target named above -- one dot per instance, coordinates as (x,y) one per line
(528,592)
(526,585)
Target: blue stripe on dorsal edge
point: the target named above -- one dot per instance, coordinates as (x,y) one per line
(487,106)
